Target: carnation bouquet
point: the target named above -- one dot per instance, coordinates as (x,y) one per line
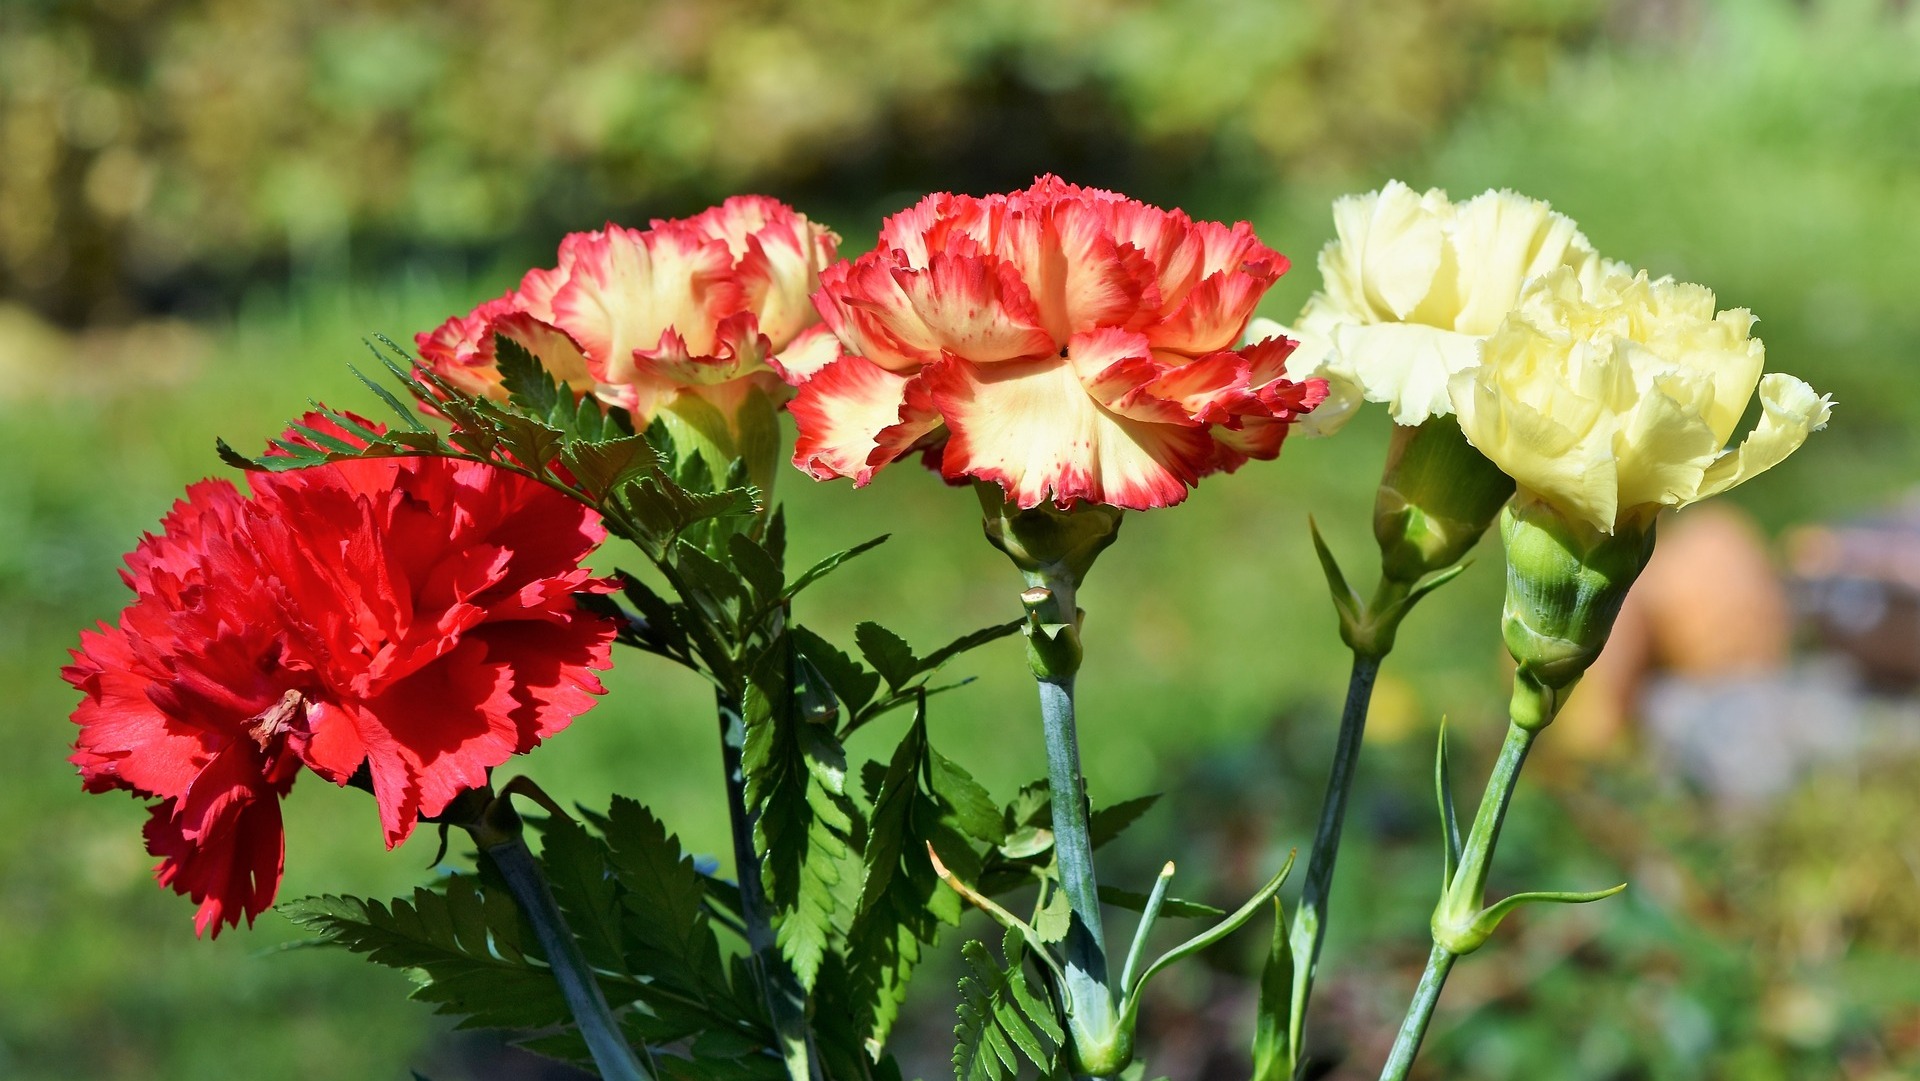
(398,601)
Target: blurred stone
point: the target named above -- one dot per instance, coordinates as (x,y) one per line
(1858,587)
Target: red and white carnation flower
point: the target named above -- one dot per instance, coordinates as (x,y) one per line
(1066,343)
(404,624)
(708,307)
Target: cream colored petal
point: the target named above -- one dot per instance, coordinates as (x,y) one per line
(1386,252)
(1404,365)
(1663,447)
(1790,411)
(1501,239)
(1569,465)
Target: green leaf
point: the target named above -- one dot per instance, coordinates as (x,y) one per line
(967,642)
(758,568)
(1449,820)
(803,820)
(853,684)
(1130,1003)
(669,937)
(829,565)
(529,385)
(1272,1057)
(583,882)
(887,653)
(970,808)
(1108,822)
(1169,906)
(478,960)
(1002,1020)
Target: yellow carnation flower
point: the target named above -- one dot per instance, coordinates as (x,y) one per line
(1613,399)
(1413,282)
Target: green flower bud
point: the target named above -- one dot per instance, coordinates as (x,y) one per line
(1437,497)
(1566,581)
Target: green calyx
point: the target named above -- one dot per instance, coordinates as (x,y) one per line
(1565,584)
(1436,499)
(1053,550)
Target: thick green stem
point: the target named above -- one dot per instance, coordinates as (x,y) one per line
(1414,1028)
(611,1055)
(786,1000)
(1309,929)
(1089,995)
(1457,927)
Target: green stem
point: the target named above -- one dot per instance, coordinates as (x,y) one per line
(1419,1013)
(1309,929)
(611,1055)
(1454,931)
(1469,887)
(786,999)
(1089,996)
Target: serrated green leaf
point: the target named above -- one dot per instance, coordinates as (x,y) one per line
(886,653)
(754,564)
(966,642)
(468,943)
(853,684)
(1107,823)
(581,875)
(803,820)
(968,805)
(669,937)
(999,1016)
(1052,915)
(603,466)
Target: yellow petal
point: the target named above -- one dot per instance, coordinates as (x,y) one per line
(1790,411)
(1405,365)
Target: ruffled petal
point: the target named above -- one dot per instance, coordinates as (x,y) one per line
(1405,365)
(843,412)
(814,349)
(971,307)
(1790,411)
(1213,314)
(625,288)
(1031,428)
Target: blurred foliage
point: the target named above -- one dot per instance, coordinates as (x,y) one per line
(320,175)
(149,144)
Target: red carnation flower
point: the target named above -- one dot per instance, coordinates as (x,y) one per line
(410,618)
(1065,343)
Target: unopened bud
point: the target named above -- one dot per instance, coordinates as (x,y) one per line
(1437,497)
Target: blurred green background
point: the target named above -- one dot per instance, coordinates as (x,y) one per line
(206,204)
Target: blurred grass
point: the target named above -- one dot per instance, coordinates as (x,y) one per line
(1770,155)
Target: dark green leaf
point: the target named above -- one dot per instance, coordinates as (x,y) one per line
(1000,1015)
(887,653)
(1108,822)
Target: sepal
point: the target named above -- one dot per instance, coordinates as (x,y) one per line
(1566,581)
(1464,932)
(1369,627)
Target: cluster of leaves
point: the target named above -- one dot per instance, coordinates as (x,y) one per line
(848,891)
(645,915)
